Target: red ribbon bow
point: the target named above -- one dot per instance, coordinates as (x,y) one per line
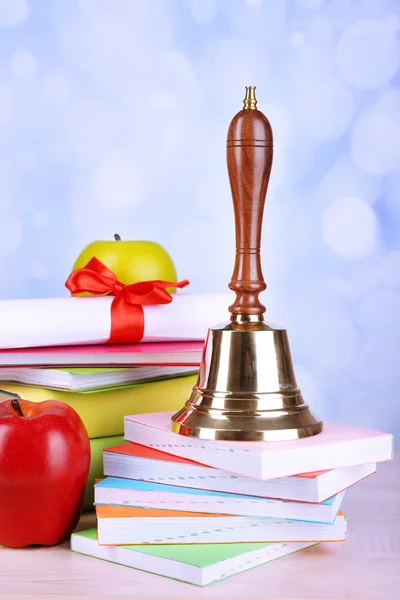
(127,316)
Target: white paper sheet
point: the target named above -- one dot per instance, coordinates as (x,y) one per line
(64,321)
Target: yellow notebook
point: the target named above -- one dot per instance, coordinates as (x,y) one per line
(103,412)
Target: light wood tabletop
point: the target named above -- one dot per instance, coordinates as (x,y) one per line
(365,567)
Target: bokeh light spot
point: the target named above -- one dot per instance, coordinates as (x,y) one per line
(23,65)
(375,143)
(203,12)
(13,12)
(368,54)
(349,227)
(327,108)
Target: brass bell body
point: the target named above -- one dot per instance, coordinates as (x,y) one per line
(246,388)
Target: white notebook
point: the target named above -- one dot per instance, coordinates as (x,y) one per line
(337,445)
(86,378)
(120,525)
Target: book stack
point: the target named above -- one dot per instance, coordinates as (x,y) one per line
(200,511)
(102,395)
(57,348)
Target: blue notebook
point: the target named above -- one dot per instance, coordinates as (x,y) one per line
(131,492)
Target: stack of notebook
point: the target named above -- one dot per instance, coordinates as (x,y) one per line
(161,379)
(199,511)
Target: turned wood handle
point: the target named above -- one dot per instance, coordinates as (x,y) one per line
(249,157)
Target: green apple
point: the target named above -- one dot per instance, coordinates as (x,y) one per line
(131,261)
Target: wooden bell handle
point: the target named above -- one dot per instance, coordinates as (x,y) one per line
(249,156)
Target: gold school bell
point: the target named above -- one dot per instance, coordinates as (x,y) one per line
(246,388)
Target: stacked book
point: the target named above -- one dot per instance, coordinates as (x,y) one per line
(57,348)
(200,511)
(161,379)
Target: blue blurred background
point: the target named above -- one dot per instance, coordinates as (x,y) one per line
(113,118)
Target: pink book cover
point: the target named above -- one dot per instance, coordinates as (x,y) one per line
(332,433)
(107,355)
(101,349)
(338,445)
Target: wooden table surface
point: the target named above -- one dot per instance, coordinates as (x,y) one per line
(365,567)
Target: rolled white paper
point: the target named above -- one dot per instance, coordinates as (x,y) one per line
(67,321)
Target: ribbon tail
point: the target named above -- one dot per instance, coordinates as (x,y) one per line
(182,284)
(173,284)
(127,322)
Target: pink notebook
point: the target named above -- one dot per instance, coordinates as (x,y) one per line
(336,446)
(139,451)
(159,353)
(133,461)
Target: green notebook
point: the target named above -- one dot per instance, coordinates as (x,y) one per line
(199,564)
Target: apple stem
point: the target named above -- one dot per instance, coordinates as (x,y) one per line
(117,237)
(17,407)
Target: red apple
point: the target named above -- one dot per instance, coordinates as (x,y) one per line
(44,466)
